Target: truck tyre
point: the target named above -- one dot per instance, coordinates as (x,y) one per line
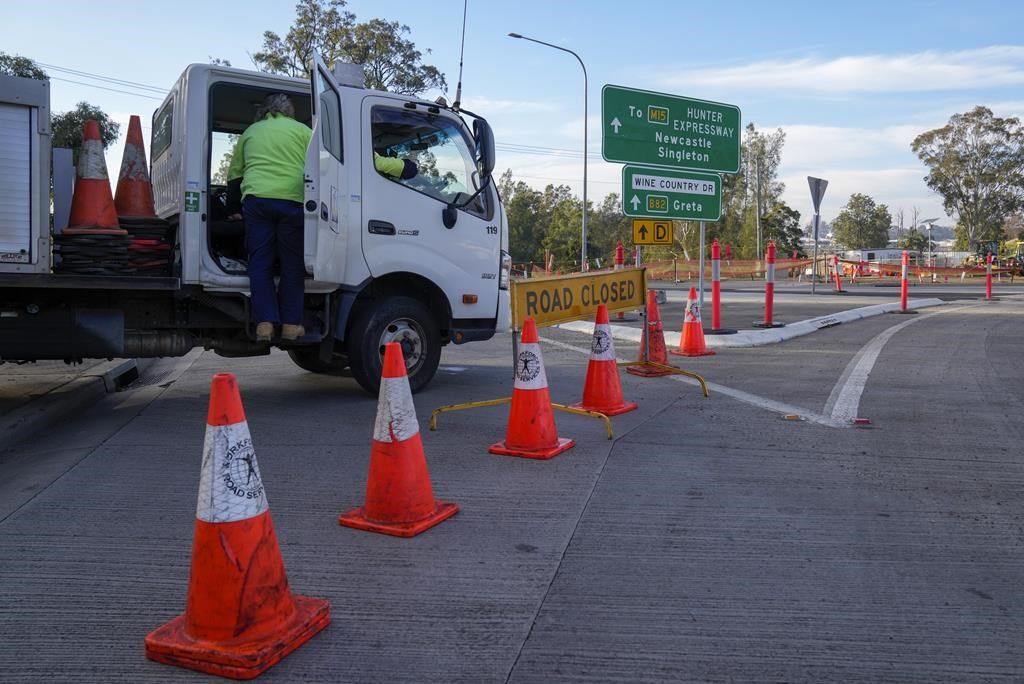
(396,319)
(309,360)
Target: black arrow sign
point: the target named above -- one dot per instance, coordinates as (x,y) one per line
(643,232)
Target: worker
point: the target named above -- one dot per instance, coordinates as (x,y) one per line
(403,169)
(270,160)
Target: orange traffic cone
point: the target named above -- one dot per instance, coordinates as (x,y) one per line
(692,341)
(134,196)
(531,422)
(240,616)
(399,499)
(654,331)
(602,391)
(92,205)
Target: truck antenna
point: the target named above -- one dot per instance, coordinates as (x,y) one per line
(462,50)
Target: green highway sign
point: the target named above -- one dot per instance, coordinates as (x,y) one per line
(669,194)
(654,129)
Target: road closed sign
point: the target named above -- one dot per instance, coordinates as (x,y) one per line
(559,299)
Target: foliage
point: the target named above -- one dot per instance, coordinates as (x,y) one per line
(390,60)
(66,127)
(913,240)
(862,223)
(782,224)
(1014,226)
(16,65)
(976,163)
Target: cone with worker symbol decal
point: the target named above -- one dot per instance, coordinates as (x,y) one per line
(654,332)
(92,204)
(692,341)
(399,498)
(531,421)
(240,616)
(602,390)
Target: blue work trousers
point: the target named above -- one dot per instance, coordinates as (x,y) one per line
(274,230)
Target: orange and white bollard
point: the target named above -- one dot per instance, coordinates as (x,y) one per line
(716,291)
(769,289)
(836,267)
(905,284)
(988,277)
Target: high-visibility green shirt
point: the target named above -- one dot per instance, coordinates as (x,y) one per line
(270,158)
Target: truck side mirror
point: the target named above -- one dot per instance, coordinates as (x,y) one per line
(484,136)
(449,215)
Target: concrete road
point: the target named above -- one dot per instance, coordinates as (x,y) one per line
(711,540)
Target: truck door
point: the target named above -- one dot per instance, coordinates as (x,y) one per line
(325,181)
(403,229)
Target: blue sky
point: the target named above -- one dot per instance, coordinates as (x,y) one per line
(850,83)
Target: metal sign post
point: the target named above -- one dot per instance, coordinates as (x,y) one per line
(817,186)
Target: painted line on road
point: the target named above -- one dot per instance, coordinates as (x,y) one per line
(844,401)
(739,395)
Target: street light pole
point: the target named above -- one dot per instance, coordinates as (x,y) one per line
(583,230)
(931,249)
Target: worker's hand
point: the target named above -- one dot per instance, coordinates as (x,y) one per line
(409,169)
(235,217)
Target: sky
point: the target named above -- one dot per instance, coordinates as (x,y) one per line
(851,84)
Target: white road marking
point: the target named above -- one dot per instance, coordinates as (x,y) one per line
(739,395)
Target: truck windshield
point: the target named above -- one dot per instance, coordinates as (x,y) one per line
(440,148)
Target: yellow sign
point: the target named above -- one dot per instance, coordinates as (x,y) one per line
(651,231)
(558,299)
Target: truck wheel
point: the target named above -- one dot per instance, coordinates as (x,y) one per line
(309,360)
(395,319)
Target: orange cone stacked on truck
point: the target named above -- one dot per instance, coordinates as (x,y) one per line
(654,332)
(92,204)
(399,498)
(240,616)
(531,421)
(692,341)
(602,390)
(134,196)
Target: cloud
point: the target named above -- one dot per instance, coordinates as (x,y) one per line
(988,67)
(895,187)
(817,146)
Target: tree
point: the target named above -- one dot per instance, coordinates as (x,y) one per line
(66,127)
(16,65)
(862,223)
(782,224)
(913,240)
(758,186)
(390,60)
(976,163)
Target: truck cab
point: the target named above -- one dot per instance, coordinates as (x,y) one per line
(421,261)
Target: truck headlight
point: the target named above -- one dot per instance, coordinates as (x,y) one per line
(506,270)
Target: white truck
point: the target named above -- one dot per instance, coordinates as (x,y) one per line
(422,262)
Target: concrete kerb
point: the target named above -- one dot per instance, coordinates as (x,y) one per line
(757,338)
(62,400)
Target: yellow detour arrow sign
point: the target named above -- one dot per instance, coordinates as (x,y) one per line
(558,299)
(652,232)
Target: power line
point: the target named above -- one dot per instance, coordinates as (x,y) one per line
(114,90)
(108,79)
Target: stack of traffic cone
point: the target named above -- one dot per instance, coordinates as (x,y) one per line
(93,242)
(654,332)
(692,341)
(240,616)
(602,391)
(531,421)
(399,498)
(150,249)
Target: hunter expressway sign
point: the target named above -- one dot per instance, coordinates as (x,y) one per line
(654,129)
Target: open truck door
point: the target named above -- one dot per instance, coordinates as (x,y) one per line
(325,181)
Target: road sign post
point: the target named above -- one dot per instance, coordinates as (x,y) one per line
(669,194)
(655,129)
(817,186)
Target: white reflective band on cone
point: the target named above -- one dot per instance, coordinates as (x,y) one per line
(133,165)
(530,368)
(91,163)
(396,415)
(692,311)
(230,486)
(716,269)
(601,346)
(769,273)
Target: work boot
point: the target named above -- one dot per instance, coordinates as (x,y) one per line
(292,332)
(264,331)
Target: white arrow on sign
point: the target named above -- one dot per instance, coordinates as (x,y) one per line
(615,124)
(635,202)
